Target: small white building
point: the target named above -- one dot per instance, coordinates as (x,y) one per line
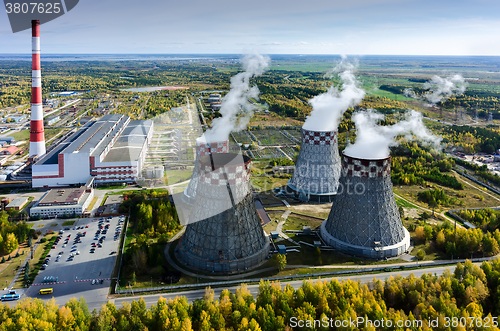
(63,202)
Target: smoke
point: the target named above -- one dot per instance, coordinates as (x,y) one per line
(444,88)
(409,93)
(236,110)
(373,140)
(440,88)
(329,107)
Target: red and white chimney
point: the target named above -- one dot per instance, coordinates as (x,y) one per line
(37,136)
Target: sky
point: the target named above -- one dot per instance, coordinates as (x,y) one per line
(397,27)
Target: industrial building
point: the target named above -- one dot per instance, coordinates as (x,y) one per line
(364,219)
(214,98)
(225,234)
(52,119)
(69,202)
(17,203)
(111,149)
(16,118)
(317,171)
(11,150)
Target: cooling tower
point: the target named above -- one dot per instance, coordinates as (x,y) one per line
(37,136)
(202,149)
(317,170)
(364,219)
(225,234)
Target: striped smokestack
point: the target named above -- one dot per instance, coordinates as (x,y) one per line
(37,137)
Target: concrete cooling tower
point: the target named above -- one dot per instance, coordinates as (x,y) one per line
(225,234)
(202,149)
(364,219)
(317,170)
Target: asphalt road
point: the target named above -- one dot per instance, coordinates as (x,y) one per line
(254,289)
(85,267)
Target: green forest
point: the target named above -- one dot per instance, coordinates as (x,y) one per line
(466,299)
(414,165)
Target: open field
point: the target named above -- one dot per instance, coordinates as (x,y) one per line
(470,195)
(177,176)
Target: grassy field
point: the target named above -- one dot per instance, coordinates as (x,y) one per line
(470,195)
(21,135)
(66,223)
(296,223)
(40,253)
(177,176)
(404,203)
(271,226)
(9,268)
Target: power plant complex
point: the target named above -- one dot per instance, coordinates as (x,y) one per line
(224,233)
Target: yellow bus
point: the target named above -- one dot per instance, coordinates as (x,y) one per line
(46,291)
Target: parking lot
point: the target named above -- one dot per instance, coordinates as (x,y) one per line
(75,275)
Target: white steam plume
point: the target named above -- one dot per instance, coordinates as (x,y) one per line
(373,140)
(409,93)
(236,110)
(444,88)
(329,107)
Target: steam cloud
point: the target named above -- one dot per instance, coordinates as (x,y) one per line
(236,110)
(373,140)
(440,88)
(329,107)
(409,93)
(444,87)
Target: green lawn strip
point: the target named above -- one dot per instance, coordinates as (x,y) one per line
(92,204)
(8,273)
(41,252)
(111,187)
(66,223)
(177,176)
